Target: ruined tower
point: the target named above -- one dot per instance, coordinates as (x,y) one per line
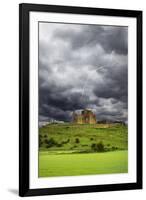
(85,117)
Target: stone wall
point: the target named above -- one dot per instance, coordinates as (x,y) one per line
(86,117)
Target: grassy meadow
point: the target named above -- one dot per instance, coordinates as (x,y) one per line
(72,149)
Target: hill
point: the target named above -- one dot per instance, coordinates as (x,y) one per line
(73,138)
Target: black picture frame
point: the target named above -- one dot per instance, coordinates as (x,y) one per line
(24,9)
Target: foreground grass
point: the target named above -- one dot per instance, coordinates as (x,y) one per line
(82,163)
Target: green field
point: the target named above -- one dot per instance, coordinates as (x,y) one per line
(82,164)
(69,149)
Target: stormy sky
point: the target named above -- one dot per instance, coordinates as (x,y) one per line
(82,66)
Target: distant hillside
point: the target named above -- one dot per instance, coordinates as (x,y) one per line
(71,138)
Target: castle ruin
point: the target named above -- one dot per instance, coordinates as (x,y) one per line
(85,117)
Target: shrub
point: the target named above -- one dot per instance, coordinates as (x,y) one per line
(114,148)
(65,142)
(74,146)
(77,140)
(91,139)
(40,141)
(84,145)
(50,142)
(59,145)
(99,147)
(93,146)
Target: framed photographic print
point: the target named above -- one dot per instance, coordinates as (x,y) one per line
(80,100)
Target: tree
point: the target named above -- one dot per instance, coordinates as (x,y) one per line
(99,147)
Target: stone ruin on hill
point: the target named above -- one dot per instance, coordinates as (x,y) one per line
(85,117)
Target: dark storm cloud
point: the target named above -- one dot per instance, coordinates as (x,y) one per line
(115,84)
(111,38)
(82,66)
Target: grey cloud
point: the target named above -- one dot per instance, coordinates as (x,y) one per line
(110,38)
(69,56)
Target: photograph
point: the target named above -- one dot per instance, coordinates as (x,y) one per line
(83,99)
(80,103)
